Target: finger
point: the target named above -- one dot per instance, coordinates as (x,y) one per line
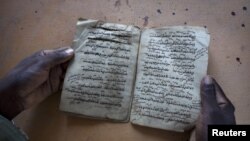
(64,66)
(62,76)
(37,95)
(55,78)
(50,58)
(222,100)
(45,89)
(208,94)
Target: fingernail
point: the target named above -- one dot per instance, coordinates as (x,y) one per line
(208,80)
(69,51)
(208,86)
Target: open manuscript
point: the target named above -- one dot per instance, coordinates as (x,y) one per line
(150,77)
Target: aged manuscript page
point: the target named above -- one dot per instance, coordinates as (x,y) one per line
(171,64)
(100,79)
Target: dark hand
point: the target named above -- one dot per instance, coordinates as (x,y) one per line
(32,80)
(216,108)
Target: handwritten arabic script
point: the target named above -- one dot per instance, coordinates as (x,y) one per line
(166,93)
(100,79)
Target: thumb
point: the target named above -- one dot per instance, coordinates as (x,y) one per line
(208,95)
(50,58)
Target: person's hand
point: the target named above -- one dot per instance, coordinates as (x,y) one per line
(216,108)
(32,80)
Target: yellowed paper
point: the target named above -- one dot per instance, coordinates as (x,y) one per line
(99,80)
(171,64)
